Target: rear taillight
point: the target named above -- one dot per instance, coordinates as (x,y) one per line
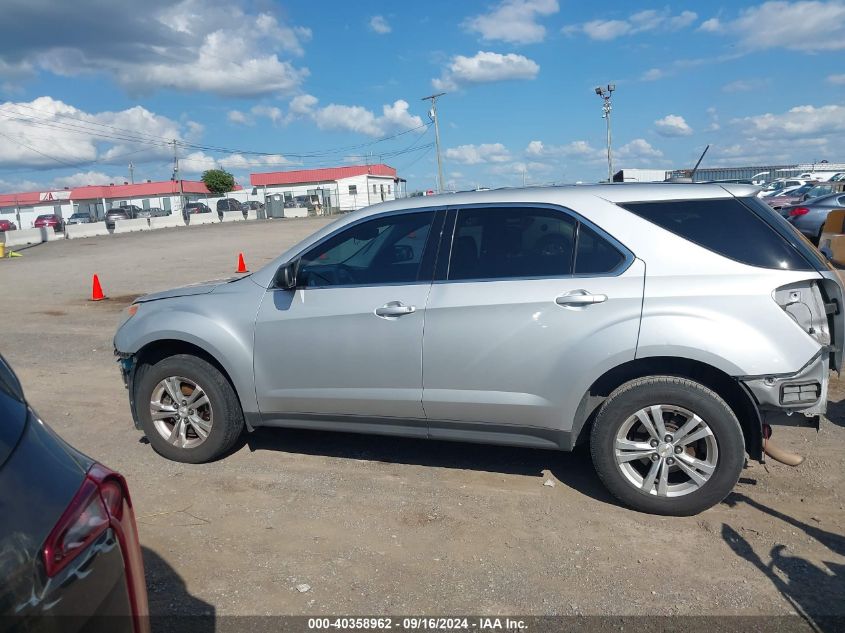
(794,213)
(101,502)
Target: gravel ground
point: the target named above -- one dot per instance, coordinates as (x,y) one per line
(384,526)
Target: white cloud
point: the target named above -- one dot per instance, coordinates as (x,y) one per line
(640,22)
(836,80)
(484,67)
(807,25)
(236,116)
(394,117)
(198,162)
(48,133)
(477,154)
(653,74)
(713,25)
(638,150)
(800,121)
(302,104)
(82,178)
(380,25)
(672,125)
(745,85)
(216,46)
(271,112)
(513,21)
(535,148)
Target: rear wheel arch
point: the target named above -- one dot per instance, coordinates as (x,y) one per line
(737,397)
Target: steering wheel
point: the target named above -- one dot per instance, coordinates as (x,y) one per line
(343,275)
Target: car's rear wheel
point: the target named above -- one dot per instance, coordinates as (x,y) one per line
(667,445)
(187,408)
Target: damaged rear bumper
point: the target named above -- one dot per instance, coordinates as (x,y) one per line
(804,392)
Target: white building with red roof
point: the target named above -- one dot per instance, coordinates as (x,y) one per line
(96,200)
(333,189)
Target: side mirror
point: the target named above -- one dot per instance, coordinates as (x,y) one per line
(285,278)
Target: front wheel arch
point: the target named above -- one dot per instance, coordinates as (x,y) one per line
(735,394)
(156,351)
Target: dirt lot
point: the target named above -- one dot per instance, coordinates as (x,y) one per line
(386,526)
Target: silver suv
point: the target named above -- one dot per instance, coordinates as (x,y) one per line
(665,325)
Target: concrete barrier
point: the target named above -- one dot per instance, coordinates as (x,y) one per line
(196,219)
(130,226)
(233,216)
(166,222)
(296,212)
(92,229)
(50,235)
(252,214)
(23,237)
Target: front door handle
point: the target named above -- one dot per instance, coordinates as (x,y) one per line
(394,309)
(579,298)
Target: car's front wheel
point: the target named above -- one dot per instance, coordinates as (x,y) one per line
(187,408)
(667,445)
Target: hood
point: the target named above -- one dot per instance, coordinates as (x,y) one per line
(201,288)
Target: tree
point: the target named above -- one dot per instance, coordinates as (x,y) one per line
(218,181)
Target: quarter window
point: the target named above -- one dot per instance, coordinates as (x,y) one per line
(380,251)
(512,242)
(725,226)
(595,255)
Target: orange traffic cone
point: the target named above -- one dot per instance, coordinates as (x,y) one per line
(97,290)
(241,264)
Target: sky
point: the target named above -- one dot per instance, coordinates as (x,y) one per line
(86,87)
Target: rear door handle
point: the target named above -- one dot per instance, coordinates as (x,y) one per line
(578,298)
(394,309)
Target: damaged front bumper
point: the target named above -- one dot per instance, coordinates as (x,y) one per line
(804,392)
(126,363)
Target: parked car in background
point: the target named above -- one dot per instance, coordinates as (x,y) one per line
(780,184)
(251,205)
(79,218)
(817,191)
(49,220)
(553,317)
(7,225)
(69,548)
(809,217)
(196,207)
(152,212)
(228,204)
(117,213)
(788,196)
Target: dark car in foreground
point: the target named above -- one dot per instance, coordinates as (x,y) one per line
(49,220)
(809,217)
(68,541)
(7,225)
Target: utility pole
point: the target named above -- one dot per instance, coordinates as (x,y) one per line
(131,173)
(605,94)
(177,176)
(433,116)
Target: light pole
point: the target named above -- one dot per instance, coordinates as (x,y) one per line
(605,94)
(433,116)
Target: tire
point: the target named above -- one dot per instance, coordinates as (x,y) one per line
(632,468)
(221,419)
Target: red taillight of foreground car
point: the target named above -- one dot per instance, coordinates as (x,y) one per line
(794,213)
(101,502)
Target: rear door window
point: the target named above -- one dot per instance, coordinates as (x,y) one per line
(509,242)
(724,226)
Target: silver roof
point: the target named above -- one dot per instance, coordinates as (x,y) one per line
(618,192)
